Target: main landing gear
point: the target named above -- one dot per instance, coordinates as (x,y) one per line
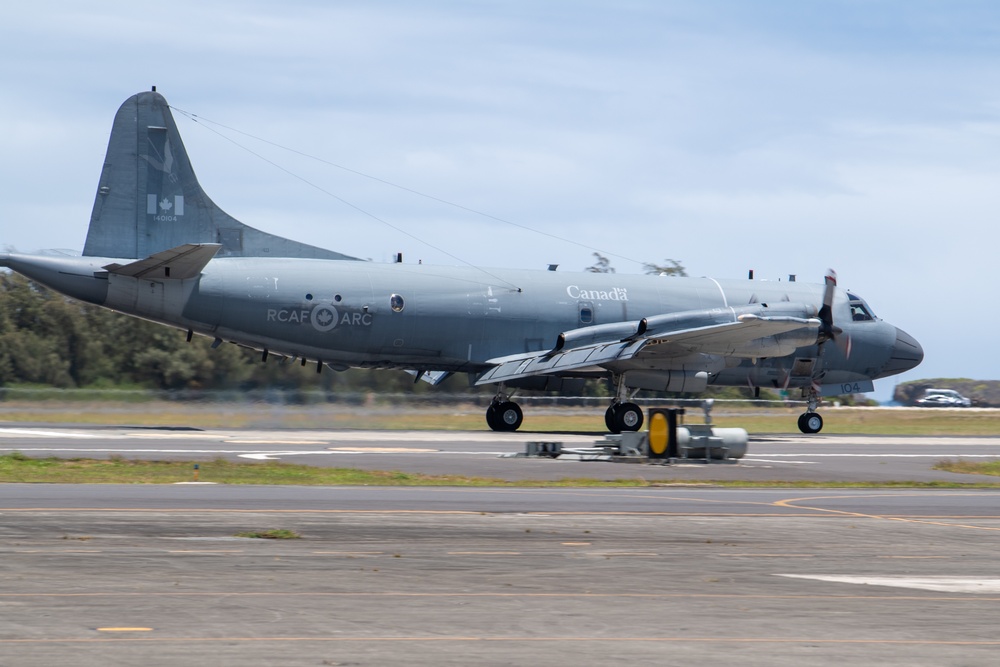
(810,421)
(623,415)
(503,413)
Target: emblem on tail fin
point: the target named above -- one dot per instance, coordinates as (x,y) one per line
(165,209)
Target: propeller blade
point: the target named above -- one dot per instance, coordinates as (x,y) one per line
(827,331)
(846,345)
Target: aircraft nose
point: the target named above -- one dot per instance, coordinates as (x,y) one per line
(906,354)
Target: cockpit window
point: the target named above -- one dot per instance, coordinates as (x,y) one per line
(860,311)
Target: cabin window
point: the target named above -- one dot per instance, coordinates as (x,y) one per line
(396,303)
(586,313)
(859,313)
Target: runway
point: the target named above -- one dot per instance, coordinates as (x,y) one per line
(778,457)
(673,574)
(123,574)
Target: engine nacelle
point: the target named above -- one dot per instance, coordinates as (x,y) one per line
(679,381)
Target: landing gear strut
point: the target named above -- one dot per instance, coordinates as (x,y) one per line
(623,415)
(810,421)
(504,414)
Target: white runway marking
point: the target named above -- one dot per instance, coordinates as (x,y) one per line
(250,454)
(35,433)
(941,584)
(883,456)
(262,456)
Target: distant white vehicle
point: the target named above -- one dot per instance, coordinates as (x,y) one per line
(943,398)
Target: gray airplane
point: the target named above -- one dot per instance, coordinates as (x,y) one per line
(158,248)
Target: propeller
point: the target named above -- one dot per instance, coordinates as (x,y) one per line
(827,329)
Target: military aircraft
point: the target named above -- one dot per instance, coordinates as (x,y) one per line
(158,248)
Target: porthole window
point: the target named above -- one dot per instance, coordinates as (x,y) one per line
(396,303)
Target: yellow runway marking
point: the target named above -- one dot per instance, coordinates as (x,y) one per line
(790,503)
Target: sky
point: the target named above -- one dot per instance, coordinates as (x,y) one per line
(784,136)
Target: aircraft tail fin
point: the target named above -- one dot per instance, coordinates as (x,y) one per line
(149,199)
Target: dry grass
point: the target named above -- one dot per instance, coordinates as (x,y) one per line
(19,468)
(467,417)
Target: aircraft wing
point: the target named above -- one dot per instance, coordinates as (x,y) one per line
(180,263)
(744,335)
(733,338)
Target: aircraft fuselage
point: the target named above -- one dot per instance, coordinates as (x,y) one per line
(415,316)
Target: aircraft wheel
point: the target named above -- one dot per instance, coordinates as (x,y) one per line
(810,422)
(491,417)
(507,416)
(628,417)
(609,419)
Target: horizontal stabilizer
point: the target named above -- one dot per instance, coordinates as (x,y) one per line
(180,263)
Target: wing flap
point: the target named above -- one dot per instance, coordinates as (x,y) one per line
(544,363)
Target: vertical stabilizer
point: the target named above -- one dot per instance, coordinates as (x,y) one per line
(149,200)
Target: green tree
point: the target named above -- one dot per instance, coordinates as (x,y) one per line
(670,267)
(601,265)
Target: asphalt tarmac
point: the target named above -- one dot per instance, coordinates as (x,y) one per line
(823,458)
(670,575)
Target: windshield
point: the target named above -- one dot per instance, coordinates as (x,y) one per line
(860,311)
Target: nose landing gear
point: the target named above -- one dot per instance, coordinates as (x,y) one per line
(810,421)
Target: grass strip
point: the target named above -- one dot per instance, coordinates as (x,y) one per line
(18,468)
(272,534)
(970,467)
(463,417)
